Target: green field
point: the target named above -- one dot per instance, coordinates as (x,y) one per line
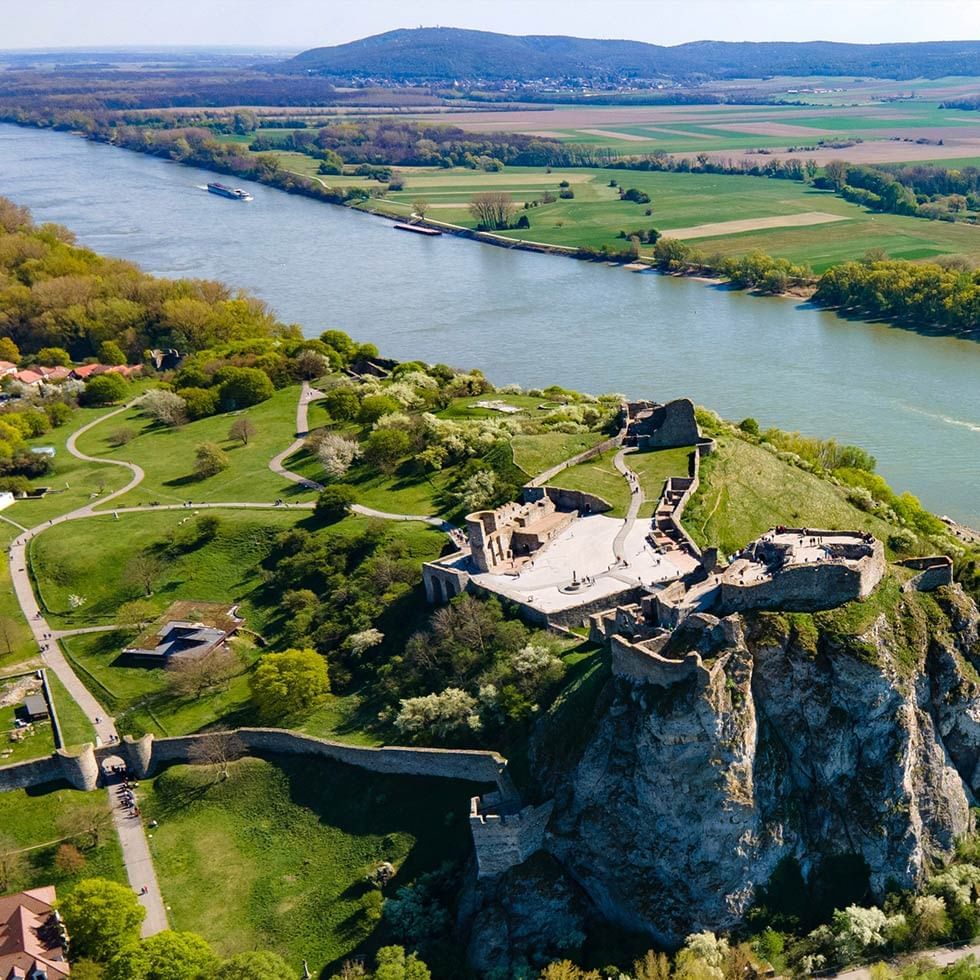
(167,455)
(596,216)
(31,819)
(599,476)
(73,482)
(16,640)
(277,856)
(71,558)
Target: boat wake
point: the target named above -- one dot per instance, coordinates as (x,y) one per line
(948,419)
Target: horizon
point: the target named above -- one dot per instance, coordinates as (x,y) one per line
(252,25)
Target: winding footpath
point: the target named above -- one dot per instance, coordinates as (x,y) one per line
(636,501)
(277,465)
(132,837)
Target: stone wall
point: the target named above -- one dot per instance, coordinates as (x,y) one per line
(822,585)
(642,665)
(80,770)
(443,582)
(504,840)
(22,775)
(668,426)
(568,500)
(935,571)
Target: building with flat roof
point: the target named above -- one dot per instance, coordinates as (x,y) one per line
(187,631)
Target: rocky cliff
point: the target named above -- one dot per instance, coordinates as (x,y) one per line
(849,733)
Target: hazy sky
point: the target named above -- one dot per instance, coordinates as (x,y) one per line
(310,23)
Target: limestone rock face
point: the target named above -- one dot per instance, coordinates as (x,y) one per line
(800,743)
(522,920)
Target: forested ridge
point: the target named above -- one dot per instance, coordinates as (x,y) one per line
(444,53)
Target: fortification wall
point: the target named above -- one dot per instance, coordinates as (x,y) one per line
(577,500)
(23,775)
(670,425)
(470,765)
(80,770)
(805,588)
(935,571)
(641,666)
(502,841)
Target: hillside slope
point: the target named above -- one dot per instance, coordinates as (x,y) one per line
(445,53)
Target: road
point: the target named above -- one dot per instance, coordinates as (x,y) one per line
(941,956)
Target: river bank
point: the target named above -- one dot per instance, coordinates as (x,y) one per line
(910,399)
(293,182)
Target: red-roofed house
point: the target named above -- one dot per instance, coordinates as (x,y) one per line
(85,371)
(7,367)
(28,377)
(32,943)
(55,373)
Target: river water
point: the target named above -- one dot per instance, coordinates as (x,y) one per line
(912,400)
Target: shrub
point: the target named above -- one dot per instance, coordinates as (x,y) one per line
(199,403)
(211,459)
(165,406)
(337,454)
(334,502)
(374,406)
(342,403)
(239,387)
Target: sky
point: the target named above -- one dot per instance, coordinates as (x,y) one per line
(299,24)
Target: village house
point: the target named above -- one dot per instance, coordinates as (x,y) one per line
(32,939)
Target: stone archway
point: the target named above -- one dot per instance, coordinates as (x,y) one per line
(112,769)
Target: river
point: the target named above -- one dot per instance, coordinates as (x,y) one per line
(912,400)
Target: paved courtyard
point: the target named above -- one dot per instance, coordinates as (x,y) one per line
(585,548)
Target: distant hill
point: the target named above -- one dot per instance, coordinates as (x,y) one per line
(446,53)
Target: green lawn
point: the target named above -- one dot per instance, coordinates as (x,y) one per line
(654,467)
(71,559)
(37,741)
(536,453)
(600,477)
(31,817)
(276,857)
(167,455)
(73,482)
(746,490)
(76,729)
(140,697)
(16,640)
(88,558)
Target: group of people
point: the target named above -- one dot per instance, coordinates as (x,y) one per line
(127,791)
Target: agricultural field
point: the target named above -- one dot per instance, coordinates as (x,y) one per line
(721,214)
(278,856)
(889,128)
